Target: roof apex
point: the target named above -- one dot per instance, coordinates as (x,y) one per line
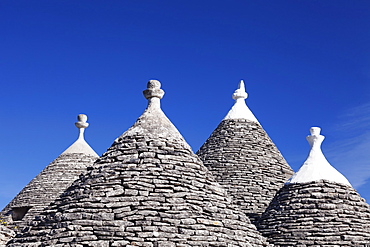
(240,108)
(154,121)
(80,145)
(316,167)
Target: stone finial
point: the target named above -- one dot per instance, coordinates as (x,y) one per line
(153,90)
(80,145)
(240,93)
(153,93)
(82,124)
(82,121)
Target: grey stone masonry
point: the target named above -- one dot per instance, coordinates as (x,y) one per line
(148,189)
(319,213)
(247,163)
(53,180)
(5,234)
(47,186)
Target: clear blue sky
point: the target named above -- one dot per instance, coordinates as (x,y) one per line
(305,63)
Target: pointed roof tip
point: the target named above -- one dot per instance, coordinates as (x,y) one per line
(240,110)
(80,145)
(241,85)
(154,122)
(316,167)
(240,93)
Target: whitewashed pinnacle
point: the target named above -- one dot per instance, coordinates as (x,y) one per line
(240,93)
(80,145)
(240,109)
(316,167)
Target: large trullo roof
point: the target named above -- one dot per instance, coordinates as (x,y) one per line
(53,180)
(150,190)
(317,207)
(244,159)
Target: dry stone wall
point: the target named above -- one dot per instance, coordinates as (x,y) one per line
(247,163)
(317,214)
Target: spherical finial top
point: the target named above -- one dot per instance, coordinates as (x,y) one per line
(81,124)
(154,90)
(154,84)
(240,92)
(315,131)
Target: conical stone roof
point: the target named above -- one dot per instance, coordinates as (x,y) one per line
(53,180)
(317,207)
(244,159)
(150,190)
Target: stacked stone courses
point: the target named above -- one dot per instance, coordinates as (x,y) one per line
(319,213)
(52,181)
(48,185)
(246,163)
(5,234)
(148,189)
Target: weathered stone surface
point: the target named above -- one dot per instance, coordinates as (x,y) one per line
(6,233)
(318,213)
(148,189)
(52,181)
(246,162)
(48,185)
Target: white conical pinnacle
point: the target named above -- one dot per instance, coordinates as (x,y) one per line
(240,109)
(240,93)
(316,167)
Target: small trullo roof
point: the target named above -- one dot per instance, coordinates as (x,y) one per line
(53,180)
(244,159)
(317,207)
(148,189)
